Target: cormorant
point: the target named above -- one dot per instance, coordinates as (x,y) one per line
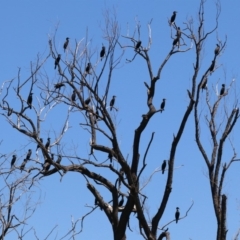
(164,164)
(59,159)
(14,158)
(38,146)
(59,85)
(57,60)
(121,202)
(87,101)
(47,143)
(163,104)
(28,154)
(88,67)
(73,97)
(211,68)
(173,17)
(222,89)
(138,45)
(204,85)
(177,214)
(217,49)
(112,102)
(102,53)
(29,100)
(179,33)
(66,44)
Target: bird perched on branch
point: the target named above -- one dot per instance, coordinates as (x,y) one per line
(162,105)
(87,101)
(59,85)
(217,50)
(29,154)
(29,100)
(176,42)
(57,60)
(112,102)
(177,214)
(102,53)
(66,44)
(211,68)
(73,97)
(222,90)
(173,17)
(121,202)
(138,45)
(88,68)
(164,164)
(204,84)
(14,158)
(38,146)
(47,143)
(26,159)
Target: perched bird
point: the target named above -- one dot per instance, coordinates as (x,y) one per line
(222,90)
(14,158)
(138,45)
(121,202)
(47,143)
(29,154)
(38,146)
(87,101)
(217,49)
(57,60)
(162,105)
(110,156)
(59,159)
(66,44)
(73,97)
(102,53)
(164,164)
(204,85)
(46,166)
(23,164)
(112,102)
(88,68)
(173,18)
(177,214)
(29,100)
(211,68)
(59,85)
(175,42)
(179,33)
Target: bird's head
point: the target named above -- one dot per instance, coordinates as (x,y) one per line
(67,38)
(175,12)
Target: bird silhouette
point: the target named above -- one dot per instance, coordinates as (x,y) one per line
(47,143)
(138,45)
(66,44)
(59,85)
(173,17)
(112,102)
(73,97)
(211,68)
(57,60)
(87,101)
(177,214)
(102,53)
(121,202)
(29,154)
(88,68)
(14,158)
(29,100)
(38,146)
(204,84)
(164,164)
(217,50)
(222,90)
(162,106)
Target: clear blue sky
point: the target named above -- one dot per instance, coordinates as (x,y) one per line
(25,26)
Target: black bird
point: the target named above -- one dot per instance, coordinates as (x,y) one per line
(177,214)
(28,154)
(121,202)
(222,90)
(138,45)
(211,68)
(112,102)
(73,97)
(38,146)
(164,164)
(88,67)
(162,105)
(217,49)
(173,17)
(14,158)
(110,156)
(102,53)
(87,101)
(47,143)
(59,85)
(66,44)
(57,60)
(179,33)
(175,41)
(46,166)
(23,165)
(204,85)
(29,100)
(59,159)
